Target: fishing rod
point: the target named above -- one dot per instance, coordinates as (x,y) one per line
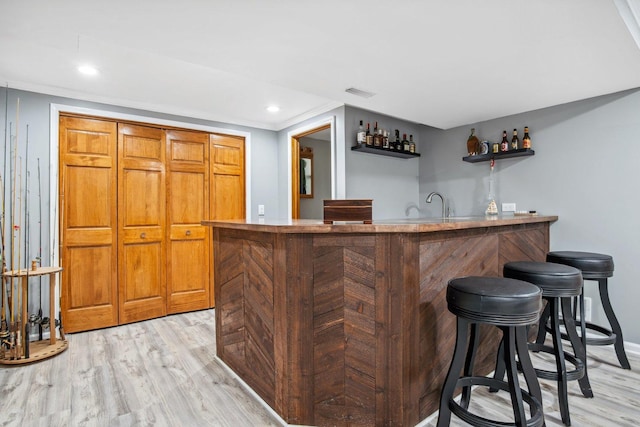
(27,326)
(4,327)
(40,250)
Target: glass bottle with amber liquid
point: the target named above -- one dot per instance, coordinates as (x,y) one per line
(472,143)
(368,137)
(412,145)
(514,140)
(405,143)
(377,137)
(504,144)
(526,140)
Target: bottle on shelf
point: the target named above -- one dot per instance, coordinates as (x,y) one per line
(526,140)
(385,139)
(368,137)
(405,143)
(361,138)
(514,140)
(412,145)
(377,137)
(472,143)
(504,144)
(396,142)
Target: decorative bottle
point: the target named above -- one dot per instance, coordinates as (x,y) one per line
(368,137)
(492,206)
(361,138)
(377,137)
(504,144)
(526,140)
(405,143)
(472,143)
(514,140)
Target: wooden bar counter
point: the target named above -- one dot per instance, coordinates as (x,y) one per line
(347,324)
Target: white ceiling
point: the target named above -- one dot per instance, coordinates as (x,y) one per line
(442,63)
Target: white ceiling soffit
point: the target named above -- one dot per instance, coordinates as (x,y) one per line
(441,63)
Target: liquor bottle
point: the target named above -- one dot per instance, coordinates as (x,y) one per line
(472,143)
(361,138)
(385,139)
(412,145)
(526,140)
(368,137)
(394,145)
(405,142)
(504,144)
(514,140)
(377,137)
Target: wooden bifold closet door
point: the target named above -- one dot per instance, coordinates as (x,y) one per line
(88,223)
(132,199)
(142,285)
(188,203)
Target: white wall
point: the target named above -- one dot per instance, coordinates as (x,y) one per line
(585,171)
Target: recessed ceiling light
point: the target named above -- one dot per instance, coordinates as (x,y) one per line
(88,70)
(273,108)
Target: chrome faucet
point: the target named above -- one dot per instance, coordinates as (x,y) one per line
(444,207)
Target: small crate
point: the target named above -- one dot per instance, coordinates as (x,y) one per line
(348,210)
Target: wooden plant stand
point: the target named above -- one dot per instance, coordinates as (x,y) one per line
(38,350)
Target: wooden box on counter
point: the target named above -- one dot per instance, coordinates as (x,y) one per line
(348,210)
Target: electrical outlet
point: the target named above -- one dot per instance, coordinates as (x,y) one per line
(508,207)
(260,209)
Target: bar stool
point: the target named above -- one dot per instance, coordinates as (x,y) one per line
(510,305)
(596,267)
(559,283)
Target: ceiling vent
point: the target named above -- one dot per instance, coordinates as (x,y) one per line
(359,92)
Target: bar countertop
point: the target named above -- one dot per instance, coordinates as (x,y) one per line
(409,225)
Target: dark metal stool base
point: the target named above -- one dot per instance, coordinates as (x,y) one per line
(461,412)
(515,341)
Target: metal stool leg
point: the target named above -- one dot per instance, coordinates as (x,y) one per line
(542,325)
(577,344)
(512,376)
(522,346)
(468,364)
(613,321)
(444,415)
(561,368)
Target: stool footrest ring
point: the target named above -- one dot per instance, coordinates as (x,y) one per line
(575,374)
(536,420)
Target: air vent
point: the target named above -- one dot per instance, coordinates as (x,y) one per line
(359,92)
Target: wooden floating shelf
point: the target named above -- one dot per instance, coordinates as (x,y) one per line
(520,152)
(383,152)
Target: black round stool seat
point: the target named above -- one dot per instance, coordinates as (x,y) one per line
(555,280)
(592,265)
(496,302)
(510,305)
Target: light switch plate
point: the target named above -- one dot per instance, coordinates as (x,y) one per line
(260,209)
(508,207)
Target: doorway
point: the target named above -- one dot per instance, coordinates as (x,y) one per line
(312,171)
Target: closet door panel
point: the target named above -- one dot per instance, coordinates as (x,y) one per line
(88,224)
(141,223)
(188,275)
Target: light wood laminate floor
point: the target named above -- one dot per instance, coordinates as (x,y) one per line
(162,372)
